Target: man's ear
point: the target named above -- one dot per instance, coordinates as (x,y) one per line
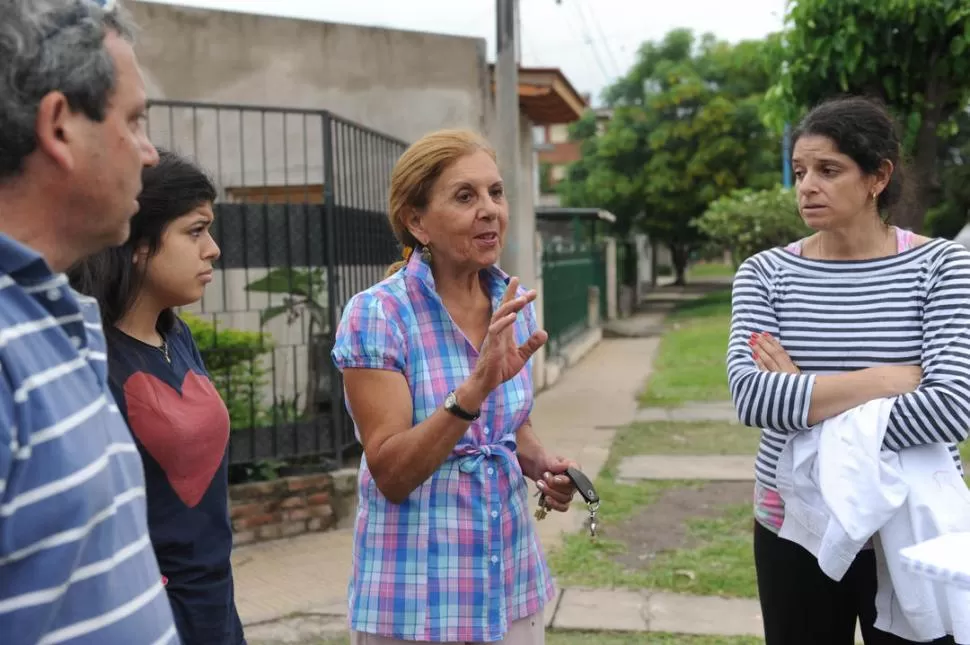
(59,129)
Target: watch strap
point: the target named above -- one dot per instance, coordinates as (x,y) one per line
(452,406)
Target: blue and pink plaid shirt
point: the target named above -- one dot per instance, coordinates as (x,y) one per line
(459,560)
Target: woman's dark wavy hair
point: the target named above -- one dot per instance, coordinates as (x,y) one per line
(170,189)
(863,129)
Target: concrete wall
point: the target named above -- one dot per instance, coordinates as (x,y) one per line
(645,261)
(401,84)
(398,82)
(611,278)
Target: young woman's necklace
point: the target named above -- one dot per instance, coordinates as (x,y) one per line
(889,240)
(164,350)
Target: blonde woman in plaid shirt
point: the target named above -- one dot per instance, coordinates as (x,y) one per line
(436,364)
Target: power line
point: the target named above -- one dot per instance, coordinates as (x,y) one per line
(583,36)
(602,36)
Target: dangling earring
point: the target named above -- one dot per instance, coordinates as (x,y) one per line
(426,254)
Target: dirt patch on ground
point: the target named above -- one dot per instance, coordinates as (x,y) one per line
(662,526)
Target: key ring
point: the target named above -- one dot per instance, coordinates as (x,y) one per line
(592,507)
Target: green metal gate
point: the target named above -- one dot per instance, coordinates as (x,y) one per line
(567,275)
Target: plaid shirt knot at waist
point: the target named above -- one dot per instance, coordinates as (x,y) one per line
(470,458)
(459,559)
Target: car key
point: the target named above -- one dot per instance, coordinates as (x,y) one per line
(586,490)
(583,485)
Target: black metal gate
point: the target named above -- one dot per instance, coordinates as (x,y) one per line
(302,225)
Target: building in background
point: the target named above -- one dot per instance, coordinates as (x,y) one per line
(556,152)
(402,83)
(249,96)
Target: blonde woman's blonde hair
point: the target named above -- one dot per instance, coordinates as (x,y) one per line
(415,174)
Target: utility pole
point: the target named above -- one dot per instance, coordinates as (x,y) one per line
(786,156)
(786,134)
(518,256)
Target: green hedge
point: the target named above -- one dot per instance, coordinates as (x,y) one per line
(232,358)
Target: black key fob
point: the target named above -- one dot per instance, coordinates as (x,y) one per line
(583,485)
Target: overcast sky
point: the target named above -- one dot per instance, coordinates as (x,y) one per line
(592,41)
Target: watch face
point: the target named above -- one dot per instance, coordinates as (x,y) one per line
(451,400)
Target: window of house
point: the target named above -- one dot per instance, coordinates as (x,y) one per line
(559,133)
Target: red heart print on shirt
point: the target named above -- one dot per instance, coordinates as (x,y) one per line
(186,434)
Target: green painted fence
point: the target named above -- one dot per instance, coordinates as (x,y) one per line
(567,275)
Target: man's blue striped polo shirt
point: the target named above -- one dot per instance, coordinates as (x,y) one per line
(76,564)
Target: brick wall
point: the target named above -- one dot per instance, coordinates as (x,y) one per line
(561,154)
(282,508)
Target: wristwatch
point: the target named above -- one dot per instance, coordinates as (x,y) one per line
(451,405)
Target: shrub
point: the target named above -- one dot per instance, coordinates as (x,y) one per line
(746,222)
(232,358)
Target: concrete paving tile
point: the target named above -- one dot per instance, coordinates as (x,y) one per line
(689,412)
(687,467)
(549,613)
(683,614)
(601,610)
(705,412)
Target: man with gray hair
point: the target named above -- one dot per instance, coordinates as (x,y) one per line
(76,561)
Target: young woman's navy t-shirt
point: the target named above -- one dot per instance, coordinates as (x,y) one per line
(181,426)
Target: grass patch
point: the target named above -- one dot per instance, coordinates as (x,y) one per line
(715,304)
(704,270)
(605,638)
(720,562)
(721,565)
(690,363)
(674,438)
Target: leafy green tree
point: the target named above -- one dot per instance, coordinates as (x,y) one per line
(912,54)
(685,130)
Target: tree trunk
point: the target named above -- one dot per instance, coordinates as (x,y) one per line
(680,254)
(912,212)
(631,268)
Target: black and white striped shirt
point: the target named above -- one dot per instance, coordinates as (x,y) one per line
(838,316)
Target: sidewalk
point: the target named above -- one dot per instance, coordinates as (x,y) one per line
(289,590)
